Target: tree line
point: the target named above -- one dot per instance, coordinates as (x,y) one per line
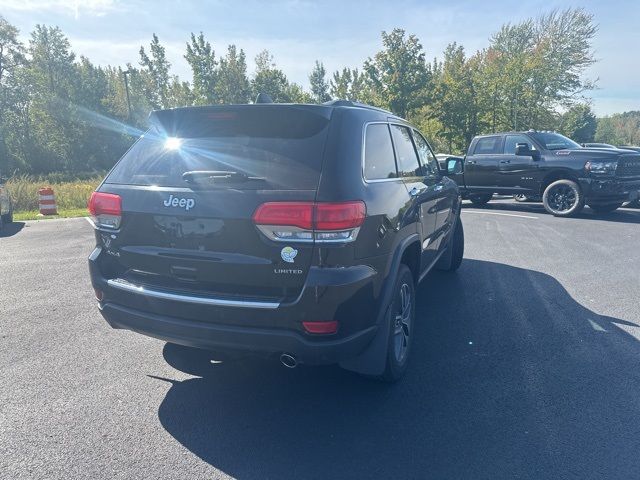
(61,113)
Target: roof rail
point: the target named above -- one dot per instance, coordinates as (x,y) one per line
(349,103)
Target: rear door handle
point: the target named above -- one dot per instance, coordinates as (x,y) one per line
(471,162)
(505,161)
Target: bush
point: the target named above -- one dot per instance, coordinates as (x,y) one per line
(23,191)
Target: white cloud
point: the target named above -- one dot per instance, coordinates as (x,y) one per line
(69,7)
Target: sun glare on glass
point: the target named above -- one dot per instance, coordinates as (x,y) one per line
(172,143)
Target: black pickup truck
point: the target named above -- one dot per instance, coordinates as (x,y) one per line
(548,165)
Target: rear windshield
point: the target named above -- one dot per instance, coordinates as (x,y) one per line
(259,147)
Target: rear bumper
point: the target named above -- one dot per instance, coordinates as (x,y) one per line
(232,338)
(348,295)
(610,190)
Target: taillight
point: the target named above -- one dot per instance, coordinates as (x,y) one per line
(106,209)
(310,221)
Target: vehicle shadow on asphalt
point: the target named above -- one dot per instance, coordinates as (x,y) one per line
(510,377)
(11,229)
(622,215)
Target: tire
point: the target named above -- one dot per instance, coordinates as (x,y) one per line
(450,262)
(521,197)
(634,204)
(608,208)
(563,198)
(481,199)
(401,315)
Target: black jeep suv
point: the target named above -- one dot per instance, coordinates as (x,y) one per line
(295,231)
(550,166)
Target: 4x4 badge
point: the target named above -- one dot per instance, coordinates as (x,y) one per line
(288,254)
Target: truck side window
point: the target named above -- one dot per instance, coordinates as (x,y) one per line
(512,140)
(428,159)
(379,161)
(406,156)
(488,146)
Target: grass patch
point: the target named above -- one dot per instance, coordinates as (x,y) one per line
(70,195)
(35,214)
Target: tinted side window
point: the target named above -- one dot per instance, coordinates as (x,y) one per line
(487,146)
(428,159)
(379,161)
(406,156)
(511,141)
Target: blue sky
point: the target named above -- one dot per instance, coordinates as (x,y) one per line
(339,33)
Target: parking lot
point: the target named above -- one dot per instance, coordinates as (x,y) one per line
(526,364)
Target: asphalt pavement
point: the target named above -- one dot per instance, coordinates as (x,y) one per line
(526,364)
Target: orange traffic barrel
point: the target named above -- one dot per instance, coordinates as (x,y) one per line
(47,201)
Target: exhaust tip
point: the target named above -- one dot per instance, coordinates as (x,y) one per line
(288,361)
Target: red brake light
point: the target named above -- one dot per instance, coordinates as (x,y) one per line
(292,214)
(310,221)
(323,328)
(106,209)
(105,203)
(339,216)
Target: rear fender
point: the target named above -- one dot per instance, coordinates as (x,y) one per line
(372,361)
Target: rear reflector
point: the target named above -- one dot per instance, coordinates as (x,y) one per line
(106,209)
(322,328)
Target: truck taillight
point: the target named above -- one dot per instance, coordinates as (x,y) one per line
(310,221)
(106,209)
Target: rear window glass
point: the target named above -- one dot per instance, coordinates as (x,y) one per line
(487,146)
(379,161)
(258,147)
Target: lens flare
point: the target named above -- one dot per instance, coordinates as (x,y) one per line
(172,143)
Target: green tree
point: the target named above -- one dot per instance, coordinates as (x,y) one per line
(347,85)
(201,58)
(579,123)
(319,85)
(232,85)
(155,74)
(269,79)
(398,73)
(619,129)
(453,98)
(12,61)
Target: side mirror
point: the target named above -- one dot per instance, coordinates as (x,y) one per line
(454,166)
(523,149)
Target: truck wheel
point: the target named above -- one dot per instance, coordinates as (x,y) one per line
(452,259)
(401,316)
(480,199)
(7,218)
(634,204)
(608,208)
(563,198)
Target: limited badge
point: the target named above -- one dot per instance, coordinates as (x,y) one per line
(288,254)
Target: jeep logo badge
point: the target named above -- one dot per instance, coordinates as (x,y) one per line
(186,203)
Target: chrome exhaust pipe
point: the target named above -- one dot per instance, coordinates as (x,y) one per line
(288,361)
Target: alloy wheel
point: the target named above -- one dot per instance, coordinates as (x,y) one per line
(562,198)
(402,324)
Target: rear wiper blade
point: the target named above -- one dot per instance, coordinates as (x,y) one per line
(219,176)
